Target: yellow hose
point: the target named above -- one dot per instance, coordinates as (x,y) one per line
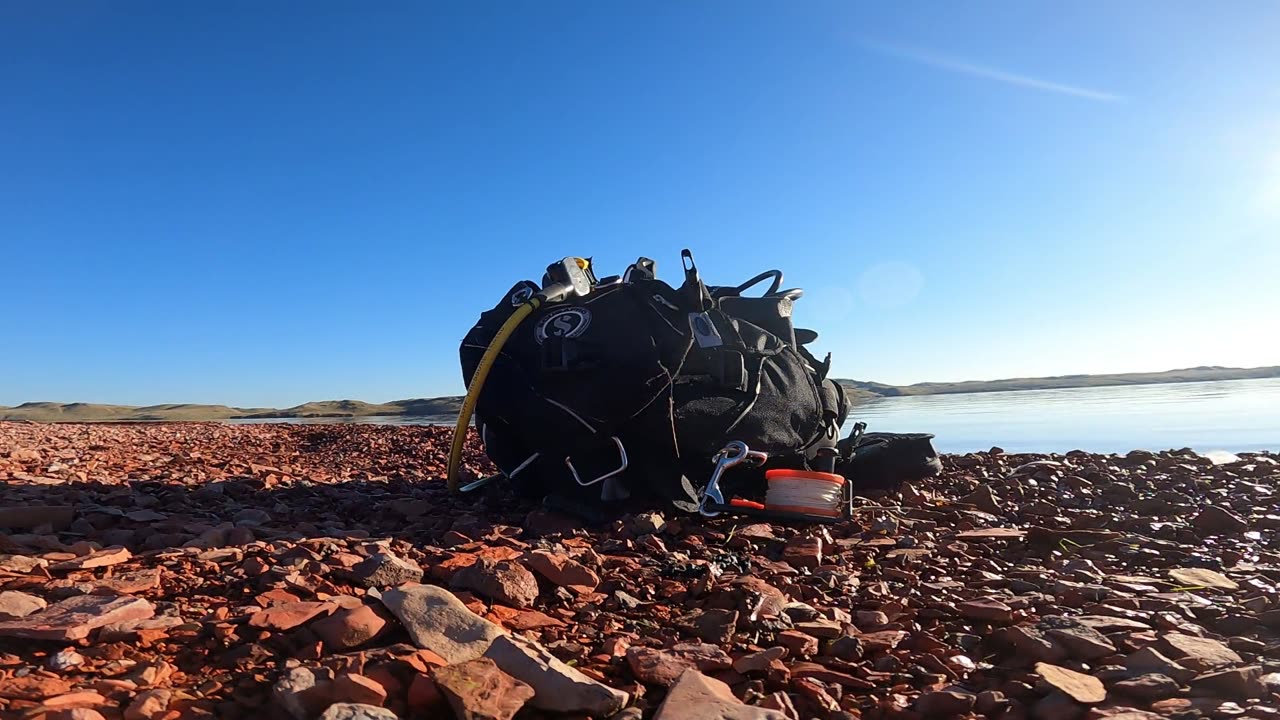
(477,382)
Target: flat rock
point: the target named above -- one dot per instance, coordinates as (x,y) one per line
(1149,687)
(1082,688)
(987,610)
(695,696)
(984,499)
(479,690)
(1081,641)
(1149,660)
(505,581)
(288,616)
(358,689)
(947,702)
(803,551)
(33,687)
(1241,683)
(1215,520)
(655,667)
(1121,713)
(1199,653)
(437,620)
(76,617)
(102,558)
(992,534)
(715,625)
(1036,645)
(557,687)
(357,711)
(1203,577)
(14,604)
(760,661)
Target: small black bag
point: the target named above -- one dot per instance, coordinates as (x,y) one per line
(883,461)
(630,390)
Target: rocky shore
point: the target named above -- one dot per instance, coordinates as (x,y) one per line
(262,571)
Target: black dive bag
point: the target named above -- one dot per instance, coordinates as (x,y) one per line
(630,390)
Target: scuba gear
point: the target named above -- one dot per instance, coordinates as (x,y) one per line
(595,391)
(563,279)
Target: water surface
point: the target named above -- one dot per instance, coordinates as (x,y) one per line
(1228,415)
(1221,416)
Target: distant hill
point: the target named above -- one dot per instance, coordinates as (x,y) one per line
(89,412)
(858,390)
(862,389)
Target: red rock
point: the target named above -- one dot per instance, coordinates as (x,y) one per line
(1214,520)
(654,667)
(1078,686)
(563,571)
(1242,683)
(102,558)
(33,687)
(356,688)
(803,551)
(1199,653)
(521,620)
(128,583)
(424,697)
(82,699)
(75,714)
(150,705)
(505,581)
(695,696)
(882,640)
(478,690)
(948,702)
(815,695)
(346,629)
(798,643)
(289,615)
(758,661)
(14,604)
(386,570)
(1149,687)
(76,617)
(986,610)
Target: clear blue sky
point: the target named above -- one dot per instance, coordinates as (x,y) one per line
(267,203)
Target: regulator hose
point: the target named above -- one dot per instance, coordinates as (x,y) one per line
(477,383)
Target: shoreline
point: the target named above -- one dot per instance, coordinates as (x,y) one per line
(857,391)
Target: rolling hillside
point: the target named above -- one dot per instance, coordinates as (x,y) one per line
(858,390)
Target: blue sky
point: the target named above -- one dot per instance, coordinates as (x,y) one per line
(268,203)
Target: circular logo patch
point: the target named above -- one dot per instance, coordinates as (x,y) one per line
(568,322)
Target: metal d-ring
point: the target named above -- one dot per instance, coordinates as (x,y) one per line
(622,454)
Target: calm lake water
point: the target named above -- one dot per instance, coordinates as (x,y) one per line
(1227,416)
(1230,416)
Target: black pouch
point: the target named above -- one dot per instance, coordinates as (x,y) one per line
(883,461)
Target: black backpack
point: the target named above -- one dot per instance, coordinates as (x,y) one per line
(632,389)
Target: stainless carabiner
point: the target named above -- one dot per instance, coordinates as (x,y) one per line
(732,454)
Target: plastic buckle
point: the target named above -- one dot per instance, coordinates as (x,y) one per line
(622,454)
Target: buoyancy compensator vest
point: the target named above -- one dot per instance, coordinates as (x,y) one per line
(630,390)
